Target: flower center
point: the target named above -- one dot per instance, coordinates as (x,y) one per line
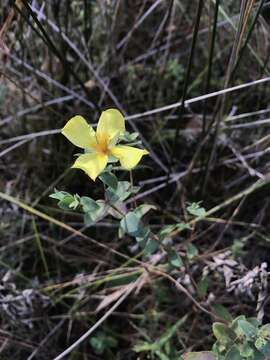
(102,145)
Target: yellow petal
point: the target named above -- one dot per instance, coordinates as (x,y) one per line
(79,132)
(129,156)
(111,124)
(92,164)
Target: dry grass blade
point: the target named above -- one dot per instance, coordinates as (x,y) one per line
(128,291)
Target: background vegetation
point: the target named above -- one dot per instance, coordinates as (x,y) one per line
(154,60)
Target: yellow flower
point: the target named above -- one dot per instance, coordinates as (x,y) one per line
(101,143)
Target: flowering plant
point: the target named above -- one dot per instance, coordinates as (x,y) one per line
(101,146)
(102,149)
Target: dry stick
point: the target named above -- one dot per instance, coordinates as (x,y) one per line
(37,107)
(7,23)
(256,144)
(210,61)
(245,115)
(233,58)
(230,220)
(198,98)
(98,323)
(47,337)
(206,132)
(49,79)
(167,23)
(186,80)
(47,40)
(137,24)
(256,155)
(139,14)
(159,49)
(40,103)
(151,112)
(162,25)
(177,176)
(249,124)
(172,179)
(246,15)
(31,136)
(252,51)
(250,31)
(80,55)
(257,185)
(239,155)
(184,290)
(18,144)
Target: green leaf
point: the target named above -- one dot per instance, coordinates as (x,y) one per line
(203,355)
(171,331)
(258,355)
(174,259)
(109,179)
(88,204)
(266,349)
(129,137)
(223,333)
(264,332)
(103,342)
(66,201)
(131,224)
(254,322)
(192,251)
(246,351)
(59,195)
(168,229)
(174,69)
(196,210)
(121,193)
(161,355)
(260,343)
(98,345)
(143,236)
(112,159)
(87,219)
(143,209)
(165,231)
(151,246)
(222,312)
(75,203)
(237,248)
(234,325)
(233,354)
(121,232)
(116,210)
(203,287)
(141,347)
(93,216)
(247,329)
(124,189)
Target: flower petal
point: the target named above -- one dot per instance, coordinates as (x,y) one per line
(129,156)
(111,124)
(79,132)
(92,164)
